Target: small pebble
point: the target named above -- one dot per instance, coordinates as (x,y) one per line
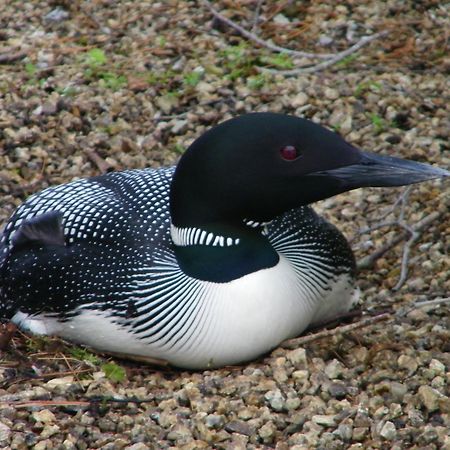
(326,421)
(44,416)
(275,399)
(267,432)
(430,397)
(388,432)
(298,358)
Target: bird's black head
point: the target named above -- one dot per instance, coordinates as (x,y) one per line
(259,165)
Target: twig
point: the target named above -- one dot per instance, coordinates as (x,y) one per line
(302,340)
(329,58)
(6,58)
(6,333)
(72,372)
(405,259)
(436,301)
(368,261)
(335,59)
(90,16)
(252,37)
(414,235)
(47,403)
(387,223)
(87,403)
(102,165)
(31,186)
(256,15)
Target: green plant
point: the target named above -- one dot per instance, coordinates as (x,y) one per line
(336,127)
(238,61)
(346,61)
(378,122)
(66,91)
(96,57)
(114,372)
(178,148)
(33,75)
(365,86)
(83,355)
(36,344)
(30,69)
(192,78)
(112,80)
(161,78)
(280,61)
(257,81)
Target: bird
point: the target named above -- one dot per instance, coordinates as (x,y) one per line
(210,263)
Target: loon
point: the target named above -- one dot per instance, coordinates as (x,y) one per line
(209,263)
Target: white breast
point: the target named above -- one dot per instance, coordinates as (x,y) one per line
(216,324)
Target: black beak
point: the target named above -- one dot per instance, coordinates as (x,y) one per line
(382,171)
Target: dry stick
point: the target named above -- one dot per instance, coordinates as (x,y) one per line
(414,236)
(98,160)
(368,261)
(256,15)
(88,402)
(330,58)
(46,403)
(323,65)
(251,36)
(400,221)
(387,223)
(302,340)
(436,301)
(6,58)
(6,333)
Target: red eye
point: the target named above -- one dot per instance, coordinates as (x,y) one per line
(289,153)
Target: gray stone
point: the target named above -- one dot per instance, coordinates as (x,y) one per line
(408,363)
(324,40)
(179,432)
(44,416)
(429,397)
(388,431)
(267,432)
(214,421)
(337,390)
(324,420)
(334,369)
(359,433)
(275,399)
(179,126)
(398,390)
(345,431)
(5,433)
(138,446)
(298,357)
(238,426)
(56,15)
(49,430)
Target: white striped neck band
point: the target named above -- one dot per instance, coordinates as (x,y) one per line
(255,224)
(196,236)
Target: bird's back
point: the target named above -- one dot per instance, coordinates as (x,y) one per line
(111,226)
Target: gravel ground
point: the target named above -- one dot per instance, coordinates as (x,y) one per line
(92,86)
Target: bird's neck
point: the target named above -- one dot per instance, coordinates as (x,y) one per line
(222,252)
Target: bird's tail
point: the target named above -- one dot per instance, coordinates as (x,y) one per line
(6,308)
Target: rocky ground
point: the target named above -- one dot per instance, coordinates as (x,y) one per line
(87,87)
